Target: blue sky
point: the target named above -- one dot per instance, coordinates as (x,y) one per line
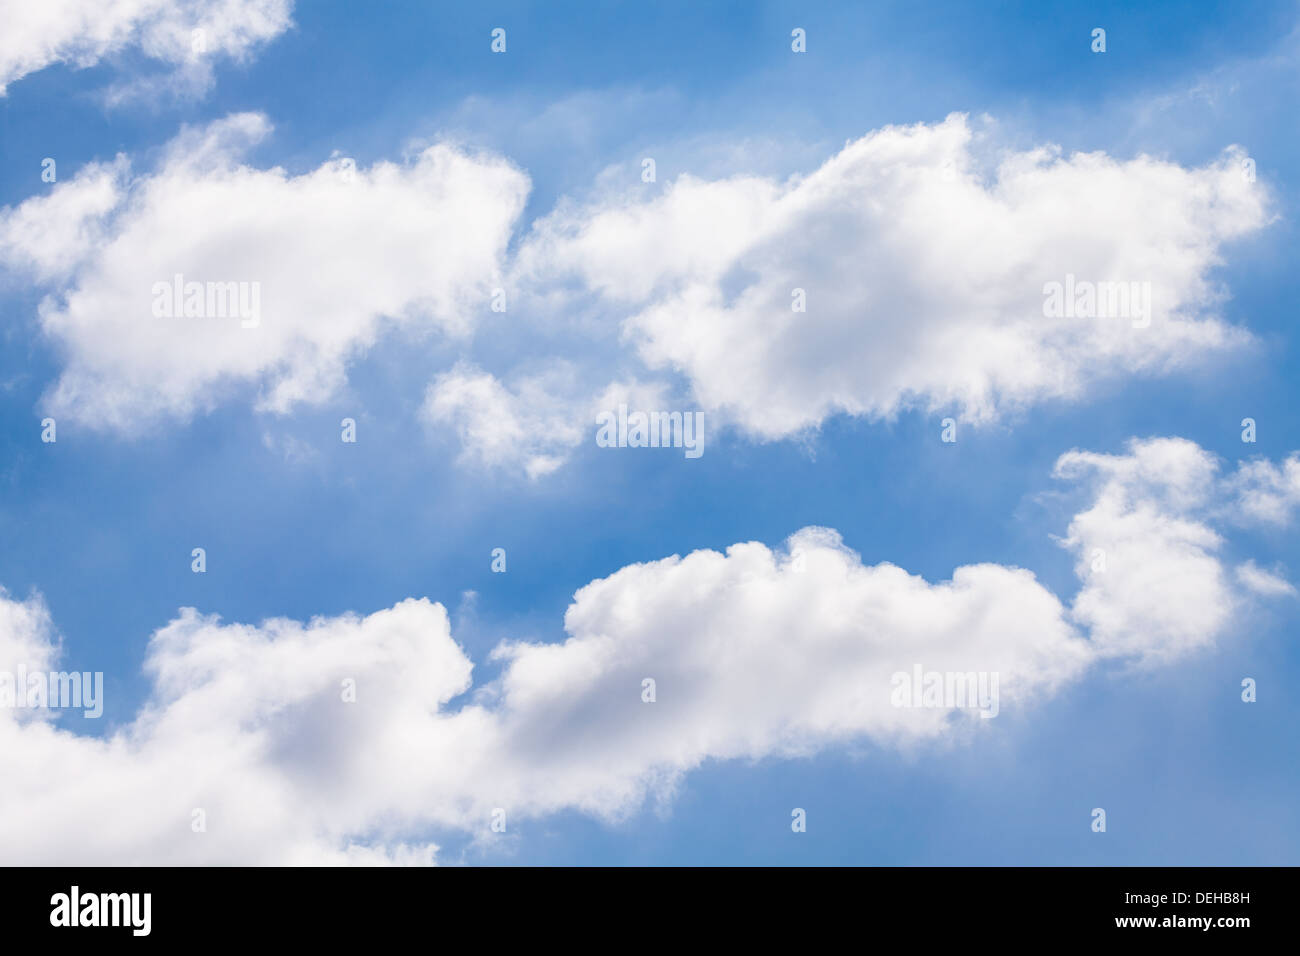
(101,523)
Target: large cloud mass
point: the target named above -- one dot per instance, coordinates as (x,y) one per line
(923,275)
(754,652)
(336,253)
(83,32)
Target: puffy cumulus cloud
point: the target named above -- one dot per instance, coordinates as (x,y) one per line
(532,425)
(1153,584)
(283,278)
(924,280)
(755,652)
(48,236)
(924,275)
(83,32)
(758,653)
(1148,549)
(756,656)
(246,724)
(26,634)
(1267,493)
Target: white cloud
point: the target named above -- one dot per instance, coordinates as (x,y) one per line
(25,634)
(1263,582)
(246,724)
(1154,587)
(529,427)
(752,658)
(755,653)
(337,255)
(1265,492)
(1148,550)
(84,32)
(51,235)
(532,425)
(924,277)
